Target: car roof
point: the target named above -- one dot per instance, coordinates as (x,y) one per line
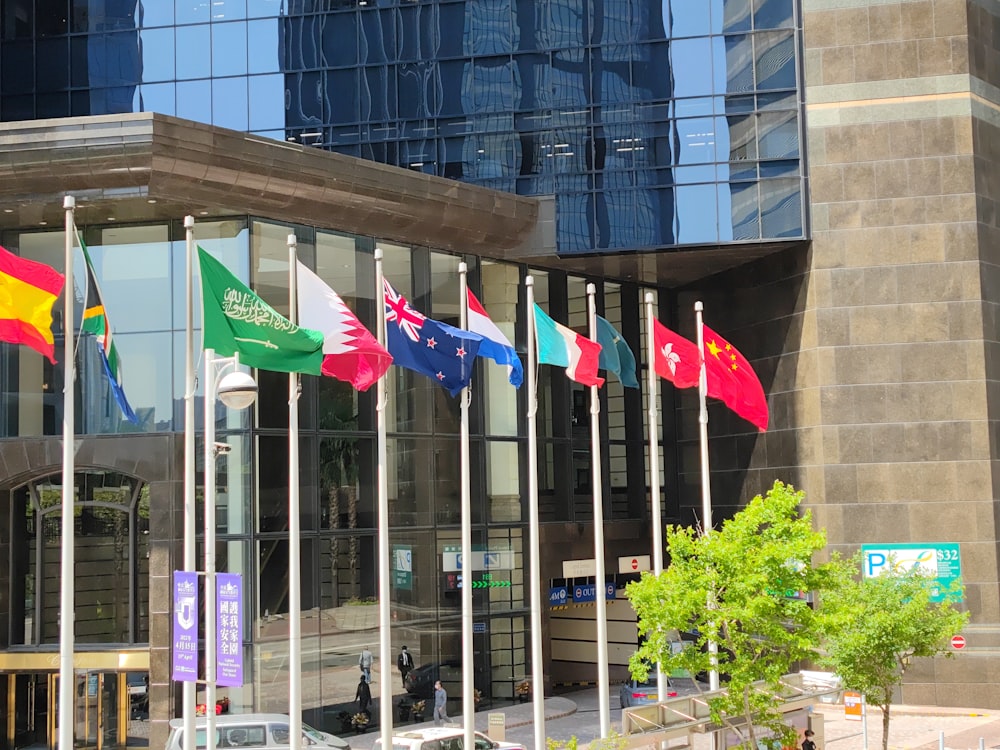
(431,733)
(226,719)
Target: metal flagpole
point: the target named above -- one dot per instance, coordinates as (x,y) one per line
(67,567)
(468,567)
(603,689)
(653,423)
(294,532)
(190,688)
(537,676)
(210,613)
(706,488)
(384,594)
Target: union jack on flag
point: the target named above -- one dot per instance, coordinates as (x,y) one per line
(398,311)
(428,346)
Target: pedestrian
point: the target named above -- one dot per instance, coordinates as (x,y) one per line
(807,743)
(365,662)
(440,704)
(364,696)
(405,664)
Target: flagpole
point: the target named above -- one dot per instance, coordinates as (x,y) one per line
(603,689)
(294,531)
(384,594)
(537,675)
(655,501)
(211,616)
(67,567)
(706,488)
(468,567)
(189,698)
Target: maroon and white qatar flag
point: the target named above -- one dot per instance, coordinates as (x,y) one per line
(350,352)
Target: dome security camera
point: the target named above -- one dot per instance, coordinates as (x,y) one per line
(237,390)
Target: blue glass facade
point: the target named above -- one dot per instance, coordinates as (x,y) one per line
(655,124)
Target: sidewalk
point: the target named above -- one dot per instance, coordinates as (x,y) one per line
(911,728)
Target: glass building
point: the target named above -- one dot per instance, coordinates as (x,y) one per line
(665,143)
(652,126)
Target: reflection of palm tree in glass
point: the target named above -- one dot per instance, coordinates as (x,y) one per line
(339,482)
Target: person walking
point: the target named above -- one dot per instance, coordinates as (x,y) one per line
(440,704)
(808,743)
(364,696)
(405,664)
(365,662)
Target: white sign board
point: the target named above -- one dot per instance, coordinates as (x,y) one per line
(451,560)
(579,568)
(633,564)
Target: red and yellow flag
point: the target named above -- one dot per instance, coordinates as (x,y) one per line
(28,290)
(732,380)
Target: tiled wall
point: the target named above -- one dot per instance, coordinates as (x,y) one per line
(902,299)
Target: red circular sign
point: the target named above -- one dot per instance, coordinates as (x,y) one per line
(958,641)
(635,564)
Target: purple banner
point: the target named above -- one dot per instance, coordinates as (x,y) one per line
(185,642)
(229,638)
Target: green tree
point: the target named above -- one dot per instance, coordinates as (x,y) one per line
(746,570)
(877,626)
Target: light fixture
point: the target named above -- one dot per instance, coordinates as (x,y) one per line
(237,390)
(151,200)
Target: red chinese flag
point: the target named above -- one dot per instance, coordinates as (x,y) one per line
(732,380)
(675,358)
(28,290)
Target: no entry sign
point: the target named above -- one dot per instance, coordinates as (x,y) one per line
(958,642)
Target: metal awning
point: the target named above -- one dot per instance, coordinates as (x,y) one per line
(682,717)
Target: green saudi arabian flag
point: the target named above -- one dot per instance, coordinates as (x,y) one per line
(237,321)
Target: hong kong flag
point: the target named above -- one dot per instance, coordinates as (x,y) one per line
(675,358)
(732,380)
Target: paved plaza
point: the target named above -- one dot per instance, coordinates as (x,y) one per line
(912,728)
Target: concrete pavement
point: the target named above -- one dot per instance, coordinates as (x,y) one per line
(912,727)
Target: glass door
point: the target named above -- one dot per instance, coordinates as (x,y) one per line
(98,709)
(27,711)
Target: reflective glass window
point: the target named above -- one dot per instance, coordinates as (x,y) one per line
(154,13)
(52,64)
(690,19)
(229,49)
(194,52)
(697,219)
(230,108)
(773,14)
(192,11)
(192,97)
(262,45)
(228,10)
(263,8)
(775,60)
(158,48)
(160,97)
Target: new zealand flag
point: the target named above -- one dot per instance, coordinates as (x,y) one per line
(432,348)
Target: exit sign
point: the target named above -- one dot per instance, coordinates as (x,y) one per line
(480,579)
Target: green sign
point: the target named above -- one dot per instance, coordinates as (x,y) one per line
(487,581)
(941,561)
(402,567)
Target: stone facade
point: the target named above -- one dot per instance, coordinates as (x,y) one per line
(879,343)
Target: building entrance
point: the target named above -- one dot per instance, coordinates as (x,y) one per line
(110,705)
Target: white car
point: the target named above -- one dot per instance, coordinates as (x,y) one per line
(257,731)
(443,738)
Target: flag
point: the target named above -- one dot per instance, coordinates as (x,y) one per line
(350,351)
(95,321)
(495,345)
(237,321)
(432,348)
(674,357)
(28,290)
(616,357)
(562,347)
(732,380)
